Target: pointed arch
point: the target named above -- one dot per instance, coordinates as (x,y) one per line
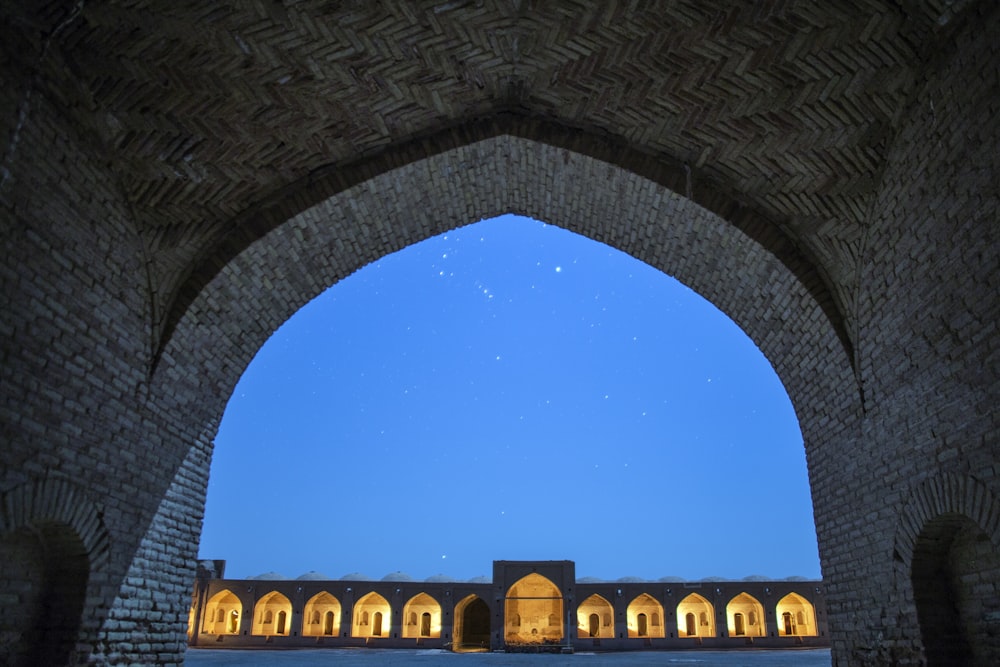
(222,614)
(600,627)
(796,616)
(531,605)
(745,616)
(52,543)
(321,616)
(271,614)
(645,617)
(947,548)
(695,617)
(472,624)
(418,625)
(372,616)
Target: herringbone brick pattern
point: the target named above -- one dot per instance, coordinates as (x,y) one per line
(206,108)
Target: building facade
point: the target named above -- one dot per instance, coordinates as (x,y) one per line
(536,606)
(178,179)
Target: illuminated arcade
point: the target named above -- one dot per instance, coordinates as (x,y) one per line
(528,606)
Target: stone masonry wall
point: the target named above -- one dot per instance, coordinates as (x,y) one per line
(928,346)
(75,318)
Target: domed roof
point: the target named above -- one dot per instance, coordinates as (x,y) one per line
(313,575)
(440,578)
(269,576)
(589,580)
(397,576)
(796,579)
(714,579)
(630,580)
(756,577)
(480,580)
(672,580)
(355,576)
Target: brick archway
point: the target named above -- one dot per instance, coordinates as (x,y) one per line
(52,538)
(275,274)
(264,284)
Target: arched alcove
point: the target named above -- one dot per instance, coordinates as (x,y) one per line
(695,617)
(222,614)
(795,616)
(372,617)
(421,617)
(472,624)
(45,566)
(953,562)
(595,618)
(321,616)
(645,617)
(52,542)
(745,617)
(533,611)
(272,615)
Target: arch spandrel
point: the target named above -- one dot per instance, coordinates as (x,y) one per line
(277,273)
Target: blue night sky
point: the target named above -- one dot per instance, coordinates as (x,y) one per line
(510,390)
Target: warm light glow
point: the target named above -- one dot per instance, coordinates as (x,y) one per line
(533,613)
(321,616)
(595,617)
(222,614)
(645,617)
(272,615)
(745,617)
(695,617)
(422,617)
(795,616)
(372,617)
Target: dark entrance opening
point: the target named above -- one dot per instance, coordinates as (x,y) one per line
(475,625)
(47,567)
(952,560)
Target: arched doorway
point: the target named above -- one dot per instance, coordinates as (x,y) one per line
(695,617)
(42,627)
(270,614)
(422,615)
(222,614)
(595,618)
(674,248)
(797,616)
(645,616)
(472,624)
(745,616)
(533,611)
(321,615)
(372,615)
(950,556)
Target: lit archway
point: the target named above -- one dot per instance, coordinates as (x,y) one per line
(533,611)
(272,615)
(595,618)
(321,616)
(222,614)
(645,617)
(421,617)
(745,617)
(795,616)
(695,617)
(372,616)
(638,213)
(472,624)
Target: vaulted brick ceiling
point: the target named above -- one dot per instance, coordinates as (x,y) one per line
(203,109)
